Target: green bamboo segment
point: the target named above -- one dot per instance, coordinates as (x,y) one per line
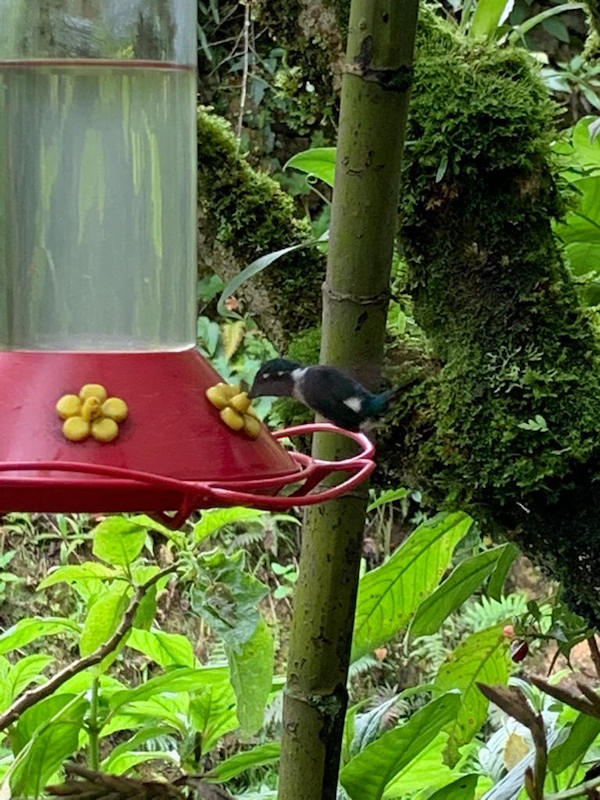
(375,94)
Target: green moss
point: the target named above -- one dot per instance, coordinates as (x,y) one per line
(499,308)
(252,216)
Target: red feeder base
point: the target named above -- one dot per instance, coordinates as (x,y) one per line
(173,452)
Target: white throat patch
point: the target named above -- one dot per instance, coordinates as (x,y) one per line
(297,375)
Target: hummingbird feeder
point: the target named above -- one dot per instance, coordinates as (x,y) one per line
(103,404)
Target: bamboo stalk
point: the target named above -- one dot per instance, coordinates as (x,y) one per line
(375,94)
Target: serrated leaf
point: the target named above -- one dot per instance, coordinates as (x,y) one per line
(482,657)
(228,597)
(367,774)
(251,668)
(118,541)
(215,519)
(582,734)
(232,334)
(103,619)
(167,649)
(256,757)
(318,161)
(91,570)
(31,628)
(505,562)
(389,595)
(454,591)
(461,789)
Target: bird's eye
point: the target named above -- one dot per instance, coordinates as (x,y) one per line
(280,374)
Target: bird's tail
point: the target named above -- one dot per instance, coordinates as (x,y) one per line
(385,399)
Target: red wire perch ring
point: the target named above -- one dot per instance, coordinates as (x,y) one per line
(199,494)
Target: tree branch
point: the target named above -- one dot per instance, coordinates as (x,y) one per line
(33,696)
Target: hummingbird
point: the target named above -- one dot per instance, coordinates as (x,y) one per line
(326,390)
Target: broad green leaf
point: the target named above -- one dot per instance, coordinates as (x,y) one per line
(103,619)
(152,525)
(216,518)
(318,161)
(37,717)
(227,597)
(27,670)
(127,761)
(168,711)
(496,584)
(388,497)
(212,712)
(146,611)
(454,591)
(130,745)
(167,649)
(367,774)
(256,757)
(118,541)
(581,735)
(461,789)
(427,769)
(389,595)
(586,151)
(482,657)
(91,570)
(31,628)
(487,17)
(252,677)
(47,751)
(181,679)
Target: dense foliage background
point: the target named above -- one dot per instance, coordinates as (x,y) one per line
(159,656)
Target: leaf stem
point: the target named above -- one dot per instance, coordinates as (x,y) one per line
(93,729)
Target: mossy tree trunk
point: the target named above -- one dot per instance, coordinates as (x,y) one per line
(374,107)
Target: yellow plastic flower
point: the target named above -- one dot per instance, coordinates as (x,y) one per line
(93,412)
(235,407)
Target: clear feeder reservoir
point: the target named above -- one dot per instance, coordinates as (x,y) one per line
(97,175)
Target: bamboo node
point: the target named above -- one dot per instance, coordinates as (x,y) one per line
(365,300)
(395,79)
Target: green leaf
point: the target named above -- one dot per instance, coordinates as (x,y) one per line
(50,745)
(152,525)
(318,161)
(215,519)
(454,591)
(212,712)
(27,670)
(581,735)
(486,18)
(368,773)
(118,541)
(235,765)
(388,497)
(232,334)
(461,789)
(91,570)
(127,761)
(252,677)
(227,597)
(389,595)
(109,763)
(166,649)
(482,657)
(253,269)
(103,619)
(427,769)
(31,628)
(180,679)
(505,562)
